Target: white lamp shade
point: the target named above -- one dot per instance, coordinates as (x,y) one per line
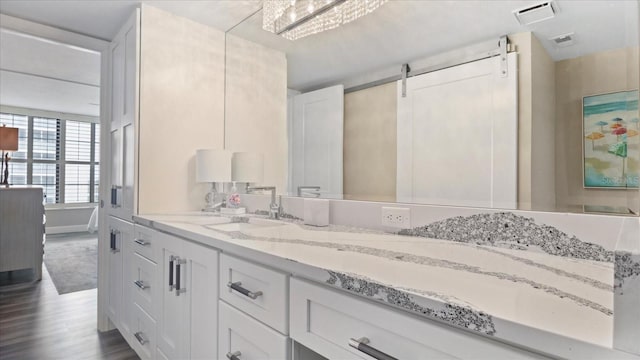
(213,165)
(247,167)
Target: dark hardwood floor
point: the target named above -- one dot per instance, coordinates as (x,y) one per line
(37,323)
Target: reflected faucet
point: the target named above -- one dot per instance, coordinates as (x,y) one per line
(274,207)
(309,190)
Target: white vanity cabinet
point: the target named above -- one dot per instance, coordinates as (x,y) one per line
(188,315)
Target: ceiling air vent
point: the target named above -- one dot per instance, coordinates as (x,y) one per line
(535,13)
(563,40)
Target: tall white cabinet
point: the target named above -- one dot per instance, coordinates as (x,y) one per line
(164,70)
(124,60)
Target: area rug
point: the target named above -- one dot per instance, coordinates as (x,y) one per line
(72,261)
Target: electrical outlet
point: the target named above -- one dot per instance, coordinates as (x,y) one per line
(396,217)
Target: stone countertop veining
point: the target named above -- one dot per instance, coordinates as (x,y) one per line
(524,297)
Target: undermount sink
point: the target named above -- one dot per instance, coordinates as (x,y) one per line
(207,220)
(253,223)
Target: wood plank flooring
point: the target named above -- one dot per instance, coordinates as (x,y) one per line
(37,323)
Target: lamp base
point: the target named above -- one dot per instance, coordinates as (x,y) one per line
(4,170)
(211,198)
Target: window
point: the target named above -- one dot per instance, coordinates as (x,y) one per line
(45,156)
(81,160)
(62,156)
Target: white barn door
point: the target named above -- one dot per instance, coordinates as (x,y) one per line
(457,136)
(316,137)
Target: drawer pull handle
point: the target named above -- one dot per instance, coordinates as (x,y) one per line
(113,236)
(140,338)
(171,258)
(237,286)
(362,344)
(141,284)
(114,196)
(142,242)
(234,356)
(179,262)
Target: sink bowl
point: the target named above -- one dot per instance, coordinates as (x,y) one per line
(204,220)
(253,223)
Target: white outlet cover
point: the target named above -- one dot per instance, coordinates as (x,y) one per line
(396,217)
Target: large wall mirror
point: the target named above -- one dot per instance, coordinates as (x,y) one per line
(447,102)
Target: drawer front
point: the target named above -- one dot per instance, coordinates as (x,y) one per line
(144,331)
(146,243)
(247,338)
(145,284)
(257,291)
(334,324)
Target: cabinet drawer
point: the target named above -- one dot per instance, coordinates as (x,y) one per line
(247,338)
(144,331)
(144,281)
(258,291)
(146,243)
(326,321)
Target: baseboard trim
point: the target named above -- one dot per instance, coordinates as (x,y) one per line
(66,229)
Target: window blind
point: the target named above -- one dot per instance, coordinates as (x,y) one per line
(60,155)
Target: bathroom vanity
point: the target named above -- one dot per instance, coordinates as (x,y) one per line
(267,286)
(461,264)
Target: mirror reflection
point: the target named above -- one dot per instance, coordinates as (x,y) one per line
(502,104)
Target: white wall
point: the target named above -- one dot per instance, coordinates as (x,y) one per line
(181,108)
(256,106)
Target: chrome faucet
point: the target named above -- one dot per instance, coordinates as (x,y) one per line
(309,190)
(274,207)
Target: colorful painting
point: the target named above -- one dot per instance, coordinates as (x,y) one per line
(611,145)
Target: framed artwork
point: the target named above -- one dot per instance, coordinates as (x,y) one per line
(610,142)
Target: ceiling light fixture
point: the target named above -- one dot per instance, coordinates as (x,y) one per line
(281,16)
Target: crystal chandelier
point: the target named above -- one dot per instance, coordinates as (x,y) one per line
(295,19)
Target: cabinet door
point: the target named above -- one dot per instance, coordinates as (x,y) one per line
(202,294)
(125,236)
(120,274)
(114,247)
(129,120)
(124,109)
(172,317)
(187,319)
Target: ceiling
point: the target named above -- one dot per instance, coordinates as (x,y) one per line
(399,32)
(103,18)
(403,31)
(40,74)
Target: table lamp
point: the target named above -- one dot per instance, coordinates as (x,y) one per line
(247,167)
(213,166)
(8,142)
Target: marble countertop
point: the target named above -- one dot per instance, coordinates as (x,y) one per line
(551,303)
